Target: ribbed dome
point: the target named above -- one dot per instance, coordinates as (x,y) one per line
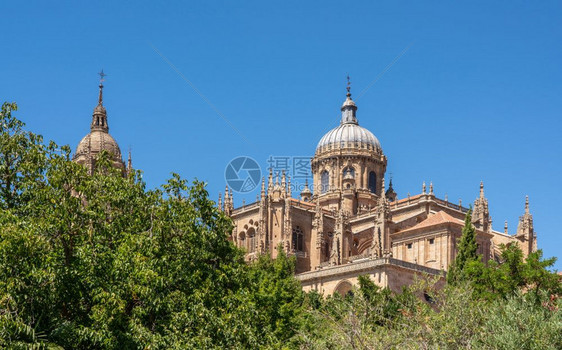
(95,142)
(348,134)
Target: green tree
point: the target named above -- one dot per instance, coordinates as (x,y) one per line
(100,262)
(466,252)
(23,158)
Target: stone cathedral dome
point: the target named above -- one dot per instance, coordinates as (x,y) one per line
(348,134)
(98,139)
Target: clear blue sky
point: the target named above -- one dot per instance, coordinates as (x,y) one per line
(475,97)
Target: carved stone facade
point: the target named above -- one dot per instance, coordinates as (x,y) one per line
(352,225)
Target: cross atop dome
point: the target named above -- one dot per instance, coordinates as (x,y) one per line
(348,108)
(99,118)
(102,79)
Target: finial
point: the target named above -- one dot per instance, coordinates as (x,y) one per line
(460,203)
(348,87)
(481,189)
(423,188)
(102,79)
(505,227)
(130,161)
(526,204)
(431,187)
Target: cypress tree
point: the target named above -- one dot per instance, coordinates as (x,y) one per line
(466,251)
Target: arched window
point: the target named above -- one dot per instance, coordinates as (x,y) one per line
(298,239)
(242,240)
(372,182)
(324,181)
(251,240)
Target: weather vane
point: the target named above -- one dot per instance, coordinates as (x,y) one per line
(102,76)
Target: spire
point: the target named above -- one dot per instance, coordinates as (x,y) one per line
(262,187)
(228,206)
(99,118)
(525,231)
(283,184)
(220,202)
(270,182)
(102,79)
(289,191)
(390,193)
(129,162)
(306,195)
(383,192)
(481,214)
(348,108)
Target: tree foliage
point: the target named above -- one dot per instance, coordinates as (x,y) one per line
(466,251)
(101,262)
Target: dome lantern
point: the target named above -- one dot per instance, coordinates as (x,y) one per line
(98,139)
(348,134)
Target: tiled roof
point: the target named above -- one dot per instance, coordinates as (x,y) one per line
(435,219)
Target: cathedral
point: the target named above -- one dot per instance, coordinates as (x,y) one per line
(350,223)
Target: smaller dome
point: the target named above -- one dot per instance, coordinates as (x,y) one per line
(97,141)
